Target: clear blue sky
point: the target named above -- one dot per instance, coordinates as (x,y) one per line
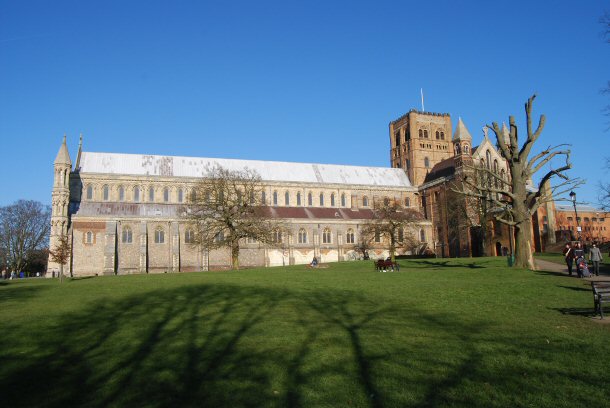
(313,81)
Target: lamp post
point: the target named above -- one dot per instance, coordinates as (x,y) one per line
(573,198)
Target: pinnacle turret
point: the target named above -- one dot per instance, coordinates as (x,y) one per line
(461,132)
(63,156)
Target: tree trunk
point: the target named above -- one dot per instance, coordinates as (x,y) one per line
(235,255)
(523,246)
(61,273)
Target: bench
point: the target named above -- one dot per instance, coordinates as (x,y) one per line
(382,265)
(601,295)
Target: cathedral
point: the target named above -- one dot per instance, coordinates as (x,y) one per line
(120,211)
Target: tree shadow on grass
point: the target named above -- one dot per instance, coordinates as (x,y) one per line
(237,346)
(17,293)
(446,264)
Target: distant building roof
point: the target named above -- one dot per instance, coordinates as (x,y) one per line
(176,166)
(579,207)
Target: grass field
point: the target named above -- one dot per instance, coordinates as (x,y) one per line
(438,333)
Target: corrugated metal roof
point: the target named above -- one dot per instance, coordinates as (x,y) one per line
(579,207)
(176,166)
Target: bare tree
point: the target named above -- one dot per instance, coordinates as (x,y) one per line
(61,254)
(226,207)
(394,224)
(604,190)
(517,200)
(24,229)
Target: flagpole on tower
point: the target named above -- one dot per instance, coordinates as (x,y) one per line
(421,90)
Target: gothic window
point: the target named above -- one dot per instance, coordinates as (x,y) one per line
(326,236)
(166,194)
(151,194)
(343,200)
(407,202)
(89,237)
(275,198)
(488,157)
(401,235)
(136,194)
(286,198)
(321,199)
(442,135)
(426,162)
(252,197)
(421,133)
(422,235)
(89,192)
(105,193)
(264,198)
(365,201)
(299,198)
(277,237)
(425,133)
(126,235)
(159,236)
(377,236)
(302,236)
(438,135)
(189,236)
(310,200)
(349,237)
(332,200)
(180,195)
(121,193)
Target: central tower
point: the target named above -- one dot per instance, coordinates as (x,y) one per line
(418,141)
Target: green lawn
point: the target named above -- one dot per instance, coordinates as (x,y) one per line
(557,258)
(437,333)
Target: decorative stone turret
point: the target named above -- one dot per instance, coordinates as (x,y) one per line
(60,201)
(462,145)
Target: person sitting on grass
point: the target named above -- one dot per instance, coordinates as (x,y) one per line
(314,262)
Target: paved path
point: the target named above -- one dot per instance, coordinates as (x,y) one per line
(549,266)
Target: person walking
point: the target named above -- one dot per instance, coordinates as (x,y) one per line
(568,253)
(595,256)
(579,256)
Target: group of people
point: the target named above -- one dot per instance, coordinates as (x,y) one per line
(576,254)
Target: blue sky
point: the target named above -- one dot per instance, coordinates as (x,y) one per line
(312,81)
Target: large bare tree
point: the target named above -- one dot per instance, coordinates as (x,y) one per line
(394,224)
(226,207)
(604,190)
(518,201)
(24,229)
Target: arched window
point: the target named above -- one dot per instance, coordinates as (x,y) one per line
(422,235)
(299,198)
(121,193)
(277,236)
(105,193)
(166,194)
(89,237)
(421,133)
(407,202)
(442,135)
(332,200)
(466,149)
(496,166)
(343,200)
(126,235)
(326,236)
(438,135)
(321,199)
(136,194)
(219,237)
(365,201)
(425,133)
(189,236)
(310,200)
(488,157)
(180,195)
(159,236)
(89,192)
(286,198)
(264,198)
(252,197)
(275,198)
(151,194)
(426,162)
(349,237)
(457,148)
(377,236)
(302,236)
